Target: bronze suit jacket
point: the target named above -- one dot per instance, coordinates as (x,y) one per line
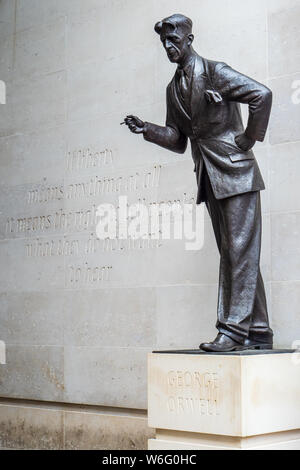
(213,121)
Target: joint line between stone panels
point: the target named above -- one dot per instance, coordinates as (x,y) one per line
(14,39)
(99,115)
(36,77)
(30,132)
(285,281)
(109,114)
(268,71)
(269,172)
(243,391)
(88,288)
(64,429)
(267,37)
(79,347)
(142,286)
(70,406)
(96,61)
(285,143)
(139,166)
(43,24)
(22,345)
(284,76)
(284,212)
(34,130)
(35,345)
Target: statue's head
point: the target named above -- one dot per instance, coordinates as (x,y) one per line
(176,35)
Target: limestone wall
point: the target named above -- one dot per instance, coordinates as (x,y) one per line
(78,316)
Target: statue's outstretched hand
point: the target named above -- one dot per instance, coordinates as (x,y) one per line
(135,124)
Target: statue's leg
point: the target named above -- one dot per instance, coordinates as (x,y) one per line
(260,328)
(237,227)
(214,209)
(240,251)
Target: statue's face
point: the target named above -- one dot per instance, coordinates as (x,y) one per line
(176,45)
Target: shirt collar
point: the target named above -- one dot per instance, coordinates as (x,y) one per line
(188,68)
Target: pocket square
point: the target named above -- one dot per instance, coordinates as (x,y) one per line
(213,96)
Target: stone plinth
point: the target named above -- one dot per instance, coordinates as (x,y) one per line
(237,400)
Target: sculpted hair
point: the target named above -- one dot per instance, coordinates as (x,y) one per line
(175,21)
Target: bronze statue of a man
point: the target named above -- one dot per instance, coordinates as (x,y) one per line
(203,105)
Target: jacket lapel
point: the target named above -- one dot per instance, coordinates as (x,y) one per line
(198,86)
(177,100)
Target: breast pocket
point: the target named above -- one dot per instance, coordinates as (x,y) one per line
(214,107)
(214,112)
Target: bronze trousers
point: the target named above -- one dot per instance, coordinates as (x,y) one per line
(242,307)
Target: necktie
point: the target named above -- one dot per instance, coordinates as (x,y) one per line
(183,84)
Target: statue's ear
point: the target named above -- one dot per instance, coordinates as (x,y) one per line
(191,39)
(158,27)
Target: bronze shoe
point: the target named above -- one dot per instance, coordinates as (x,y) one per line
(254,344)
(222,343)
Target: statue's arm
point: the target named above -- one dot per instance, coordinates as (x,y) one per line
(168,136)
(235,86)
